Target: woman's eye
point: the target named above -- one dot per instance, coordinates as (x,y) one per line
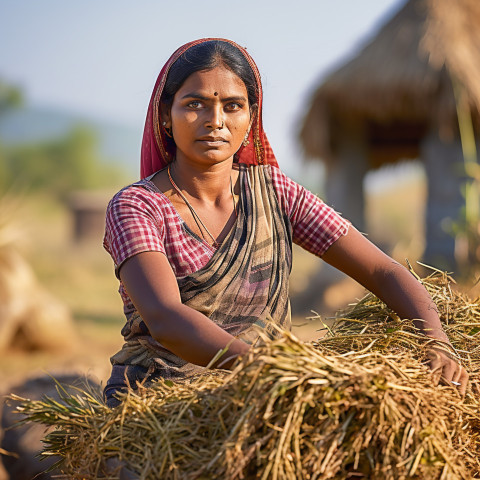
(234,106)
(195,104)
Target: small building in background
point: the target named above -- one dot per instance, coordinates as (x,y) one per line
(88,210)
(399,99)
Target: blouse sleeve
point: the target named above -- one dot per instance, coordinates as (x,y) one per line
(316,226)
(133,225)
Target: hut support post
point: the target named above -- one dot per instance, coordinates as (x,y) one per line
(443,165)
(345,175)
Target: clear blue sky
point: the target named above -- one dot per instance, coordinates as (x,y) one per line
(101,57)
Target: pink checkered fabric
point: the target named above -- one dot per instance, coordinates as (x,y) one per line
(140,219)
(315,225)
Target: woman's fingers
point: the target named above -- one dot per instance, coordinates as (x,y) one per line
(435,365)
(463,380)
(447,371)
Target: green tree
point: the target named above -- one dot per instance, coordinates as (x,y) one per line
(61,165)
(10,96)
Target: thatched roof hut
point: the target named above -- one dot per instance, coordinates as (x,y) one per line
(395,100)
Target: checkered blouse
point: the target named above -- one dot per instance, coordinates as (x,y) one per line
(140,218)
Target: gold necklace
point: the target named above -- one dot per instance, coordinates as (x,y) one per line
(201,226)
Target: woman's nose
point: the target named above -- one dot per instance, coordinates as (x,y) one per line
(216,119)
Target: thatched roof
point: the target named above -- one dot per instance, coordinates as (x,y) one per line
(403,75)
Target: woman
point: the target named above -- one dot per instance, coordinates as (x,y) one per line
(203,244)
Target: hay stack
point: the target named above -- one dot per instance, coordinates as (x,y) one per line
(30,317)
(290,410)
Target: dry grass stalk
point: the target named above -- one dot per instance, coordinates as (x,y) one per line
(290,410)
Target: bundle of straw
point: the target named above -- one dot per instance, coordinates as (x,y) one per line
(369,322)
(289,410)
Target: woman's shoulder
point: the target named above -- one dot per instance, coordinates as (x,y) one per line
(142,191)
(283,185)
(141,201)
(273,171)
(281,182)
(266,169)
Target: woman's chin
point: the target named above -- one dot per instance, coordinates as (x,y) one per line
(212,157)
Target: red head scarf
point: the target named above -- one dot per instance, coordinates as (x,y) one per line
(154,152)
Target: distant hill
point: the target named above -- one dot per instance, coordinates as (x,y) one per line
(117,143)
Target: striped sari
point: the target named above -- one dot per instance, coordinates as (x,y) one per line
(242,288)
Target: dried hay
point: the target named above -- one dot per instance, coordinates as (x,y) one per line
(30,317)
(371,323)
(291,410)
(452,40)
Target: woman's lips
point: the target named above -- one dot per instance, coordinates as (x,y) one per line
(216,143)
(212,141)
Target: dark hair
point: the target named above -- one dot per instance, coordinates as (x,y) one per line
(206,56)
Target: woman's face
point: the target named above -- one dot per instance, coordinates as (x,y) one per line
(210,116)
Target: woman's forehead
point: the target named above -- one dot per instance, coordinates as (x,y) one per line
(219,81)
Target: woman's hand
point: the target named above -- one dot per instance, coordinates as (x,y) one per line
(447,370)
(360,259)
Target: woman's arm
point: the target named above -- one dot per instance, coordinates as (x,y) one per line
(151,284)
(356,256)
